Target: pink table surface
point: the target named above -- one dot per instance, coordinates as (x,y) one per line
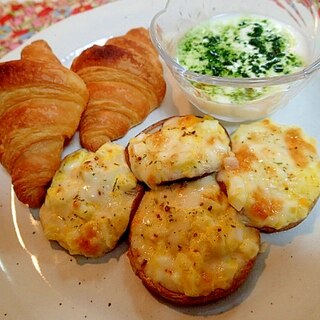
(20,20)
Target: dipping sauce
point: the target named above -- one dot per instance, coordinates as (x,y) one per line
(238,46)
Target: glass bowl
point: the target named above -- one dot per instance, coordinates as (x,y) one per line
(169,26)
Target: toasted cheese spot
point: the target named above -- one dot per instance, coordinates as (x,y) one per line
(282,163)
(246,158)
(263,207)
(86,241)
(271,126)
(88,205)
(186,237)
(184,147)
(159,139)
(299,149)
(304,202)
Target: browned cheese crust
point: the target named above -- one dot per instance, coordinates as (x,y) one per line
(91,201)
(188,245)
(275,181)
(184,300)
(178,148)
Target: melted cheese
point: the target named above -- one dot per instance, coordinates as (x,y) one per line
(185,147)
(88,205)
(189,239)
(277,179)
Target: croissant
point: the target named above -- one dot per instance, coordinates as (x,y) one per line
(41,103)
(125,82)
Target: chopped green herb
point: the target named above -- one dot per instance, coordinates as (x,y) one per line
(246,47)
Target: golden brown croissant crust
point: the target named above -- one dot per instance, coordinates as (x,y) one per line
(41,103)
(125,82)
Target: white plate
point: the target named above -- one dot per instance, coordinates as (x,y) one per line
(41,281)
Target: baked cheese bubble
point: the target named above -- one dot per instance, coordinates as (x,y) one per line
(188,244)
(182,147)
(275,181)
(88,205)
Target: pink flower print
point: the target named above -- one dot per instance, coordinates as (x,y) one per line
(14,45)
(29,10)
(37,23)
(17,21)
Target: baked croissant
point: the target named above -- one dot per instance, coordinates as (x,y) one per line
(41,103)
(125,82)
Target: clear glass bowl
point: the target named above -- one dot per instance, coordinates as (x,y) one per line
(179,16)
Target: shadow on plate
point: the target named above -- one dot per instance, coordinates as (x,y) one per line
(35,214)
(116,254)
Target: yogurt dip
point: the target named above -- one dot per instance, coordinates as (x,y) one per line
(239,46)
